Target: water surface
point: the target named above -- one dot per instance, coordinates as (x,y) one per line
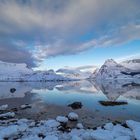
(50,99)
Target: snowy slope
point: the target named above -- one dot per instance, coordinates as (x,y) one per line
(74,73)
(45,76)
(132,64)
(112,70)
(13,71)
(94,74)
(20,72)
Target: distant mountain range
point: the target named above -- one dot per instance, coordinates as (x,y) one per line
(74,73)
(109,70)
(20,72)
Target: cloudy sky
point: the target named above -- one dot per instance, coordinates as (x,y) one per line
(56,33)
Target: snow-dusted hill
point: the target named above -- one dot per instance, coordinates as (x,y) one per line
(45,76)
(20,72)
(74,73)
(13,71)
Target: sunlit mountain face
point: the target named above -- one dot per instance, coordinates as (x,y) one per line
(52,35)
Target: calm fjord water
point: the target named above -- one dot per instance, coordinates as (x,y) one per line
(89,93)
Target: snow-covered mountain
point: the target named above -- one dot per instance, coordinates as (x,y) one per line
(133,64)
(9,71)
(14,68)
(111,69)
(74,73)
(94,74)
(49,75)
(20,72)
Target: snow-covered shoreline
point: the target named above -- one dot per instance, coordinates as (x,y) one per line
(58,129)
(52,129)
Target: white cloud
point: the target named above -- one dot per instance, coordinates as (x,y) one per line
(55,25)
(60,47)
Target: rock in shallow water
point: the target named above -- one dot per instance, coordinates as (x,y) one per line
(12,90)
(112,103)
(76,105)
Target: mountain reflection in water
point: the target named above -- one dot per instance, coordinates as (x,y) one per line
(112,89)
(89,93)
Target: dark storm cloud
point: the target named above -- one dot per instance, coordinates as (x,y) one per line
(10,53)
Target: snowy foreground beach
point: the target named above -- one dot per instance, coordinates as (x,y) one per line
(57,129)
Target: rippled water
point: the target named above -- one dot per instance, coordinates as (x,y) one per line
(89,93)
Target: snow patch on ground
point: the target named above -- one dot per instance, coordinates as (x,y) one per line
(7,115)
(62,119)
(3,107)
(73,116)
(48,130)
(25,129)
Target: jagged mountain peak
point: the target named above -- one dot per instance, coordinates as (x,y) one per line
(111,69)
(110,62)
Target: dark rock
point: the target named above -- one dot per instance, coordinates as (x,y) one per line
(76,105)
(64,128)
(131,84)
(125,125)
(14,109)
(12,90)
(41,135)
(130,73)
(112,103)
